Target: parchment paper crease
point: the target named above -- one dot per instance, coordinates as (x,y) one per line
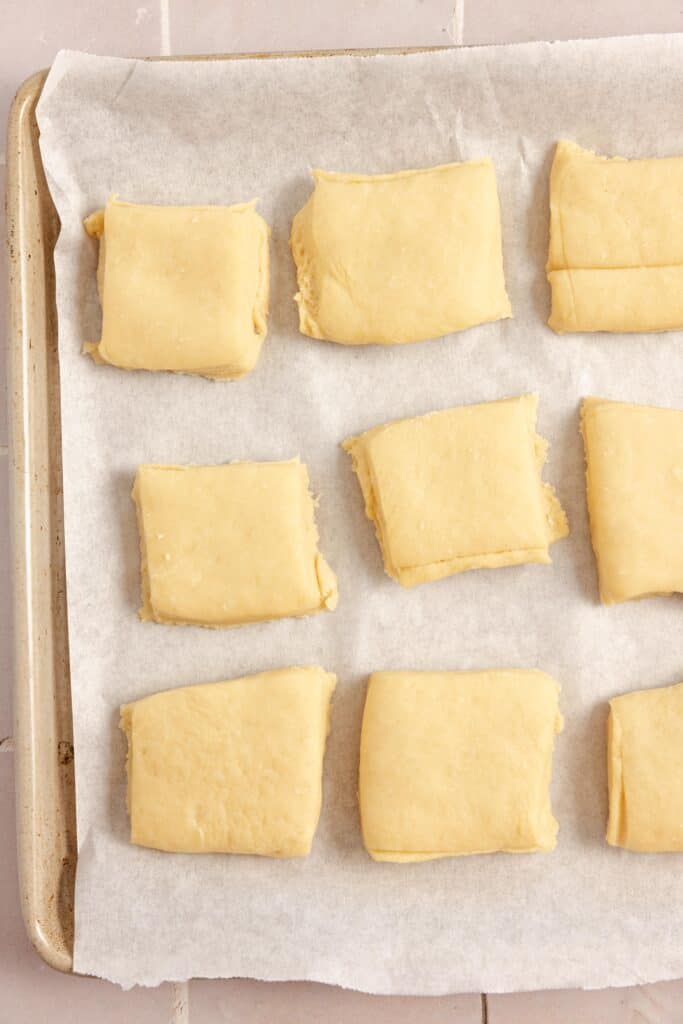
(222,132)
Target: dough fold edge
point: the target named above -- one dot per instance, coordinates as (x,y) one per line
(588,298)
(616,823)
(616,300)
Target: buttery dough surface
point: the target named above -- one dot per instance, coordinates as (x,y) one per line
(392,258)
(457,762)
(645,769)
(634,481)
(183,288)
(458,489)
(224,545)
(230,767)
(616,242)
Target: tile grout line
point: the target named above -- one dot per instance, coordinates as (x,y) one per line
(484,1008)
(180,1007)
(456,25)
(165,27)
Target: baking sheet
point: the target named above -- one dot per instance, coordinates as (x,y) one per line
(224,131)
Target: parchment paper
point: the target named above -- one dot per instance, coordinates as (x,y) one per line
(221,132)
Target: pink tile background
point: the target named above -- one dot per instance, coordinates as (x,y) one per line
(31,32)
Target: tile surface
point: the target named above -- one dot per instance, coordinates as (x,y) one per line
(488,21)
(253,1002)
(204,26)
(30,992)
(649,1004)
(31,34)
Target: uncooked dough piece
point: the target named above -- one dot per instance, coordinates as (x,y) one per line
(634,479)
(232,767)
(224,545)
(616,242)
(389,258)
(459,489)
(645,770)
(183,288)
(457,762)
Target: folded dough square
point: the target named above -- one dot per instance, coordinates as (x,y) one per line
(183,288)
(634,481)
(645,770)
(390,258)
(224,545)
(231,767)
(457,762)
(616,242)
(459,489)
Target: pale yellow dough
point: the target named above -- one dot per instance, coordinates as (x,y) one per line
(224,545)
(183,288)
(634,480)
(616,242)
(231,767)
(645,769)
(457,762)
(459,489)
(391,258)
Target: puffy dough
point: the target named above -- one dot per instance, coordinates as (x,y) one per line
(224,545)
(634,480)
(616,242)
(458,489)
(645,770)
(392,258)
(183,288)
(457,762)
(230,767)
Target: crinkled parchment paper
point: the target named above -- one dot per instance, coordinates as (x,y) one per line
(222,132)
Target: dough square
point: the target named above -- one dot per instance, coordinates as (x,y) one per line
(616,242)
(224,545)
(183,288)
(645,770)
(634,481)
(391,258)
(230,767)
(458,489)
(457,762)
